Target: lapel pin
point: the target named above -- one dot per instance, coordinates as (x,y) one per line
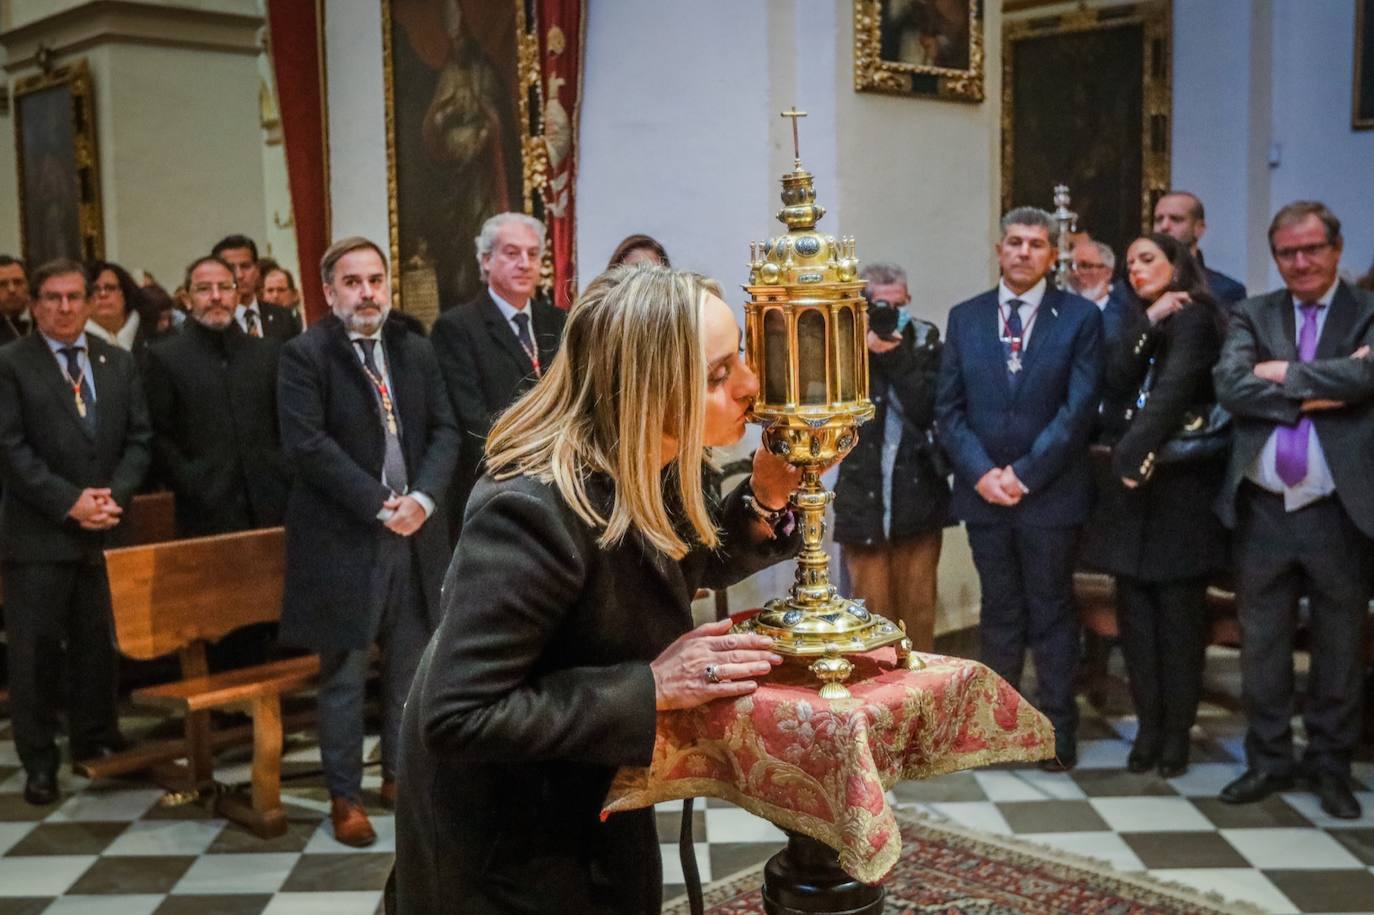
(1054,312)
(102,360)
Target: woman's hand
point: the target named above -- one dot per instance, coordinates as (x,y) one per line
(680,672)
(1170,303)
(773,480)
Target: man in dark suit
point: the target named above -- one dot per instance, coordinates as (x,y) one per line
(1091,277)
(15,321)
(494,348)
(254,318)
(1018,390)
(366,423)
(1296,374)
(1180,214)
(212,396)
(74,446)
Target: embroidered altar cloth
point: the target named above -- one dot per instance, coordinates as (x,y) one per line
(822,767)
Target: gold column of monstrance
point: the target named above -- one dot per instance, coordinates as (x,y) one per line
(805,336)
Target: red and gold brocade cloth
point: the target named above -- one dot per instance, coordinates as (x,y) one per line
(822,767)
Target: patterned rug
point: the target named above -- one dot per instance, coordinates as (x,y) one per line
(949,870)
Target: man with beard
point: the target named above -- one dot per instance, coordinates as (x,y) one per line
(367,426)
(212,396)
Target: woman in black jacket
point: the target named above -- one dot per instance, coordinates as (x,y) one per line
(567,609)
(1153,526)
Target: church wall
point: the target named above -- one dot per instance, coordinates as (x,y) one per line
(9,180)
(356,121)
(1262,118)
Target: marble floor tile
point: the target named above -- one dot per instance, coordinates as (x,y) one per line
(1206,779)
(1107,847)
(225,874)
(113,804)
(221,904)
(1326,891)
(130,904)
(82,838)
(1290,849)
(1239,884)
(1359,842)
(1272,811)
(48,876)
(1150,814)
(352,872)
(1310,806)
(142,874)
(1183,849)
(980,815)
(672,861)
(329,903)
(1052,816)
(741,826)
(11,833)
(1120,783)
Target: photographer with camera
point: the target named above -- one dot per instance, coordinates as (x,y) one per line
(892,496)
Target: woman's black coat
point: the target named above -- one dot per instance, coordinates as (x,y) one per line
(920,484)
(534,690)
(1165,529)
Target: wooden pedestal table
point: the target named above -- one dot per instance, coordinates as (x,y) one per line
(820,769)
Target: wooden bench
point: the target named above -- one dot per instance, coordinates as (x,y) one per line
(175,598)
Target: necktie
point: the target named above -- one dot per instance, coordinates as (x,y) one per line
(250,318)
(1015,344)
(522,333)
(393,461)
(81,391)
(1290,448)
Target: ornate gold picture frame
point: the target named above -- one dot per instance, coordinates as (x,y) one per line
(1087,101)
(931,48)
(59,175)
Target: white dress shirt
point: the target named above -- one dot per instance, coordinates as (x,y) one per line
(1032,298)
(379,357)
(1264,471)
(510,311)
(241,310)
(123,338)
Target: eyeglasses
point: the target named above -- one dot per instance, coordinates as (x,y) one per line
(105,288)
(1288,255)
(1083,267)
(207,288)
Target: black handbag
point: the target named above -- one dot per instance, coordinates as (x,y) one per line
(1204,433)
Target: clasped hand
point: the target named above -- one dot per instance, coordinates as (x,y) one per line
(407,515)
(95,510)
(680,672)
(1001,486)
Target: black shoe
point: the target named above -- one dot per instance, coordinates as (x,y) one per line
(1144,754)
(1063,760)
(1336,796)
(41,788)
(1253,786)
(1173,758)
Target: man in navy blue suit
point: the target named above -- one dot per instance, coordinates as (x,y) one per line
(1090,275)
(1180,214)
(1017,394)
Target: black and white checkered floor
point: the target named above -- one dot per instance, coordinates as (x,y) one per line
(111,847)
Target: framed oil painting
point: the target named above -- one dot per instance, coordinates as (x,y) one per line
(1087,102)
(481,102)
(59,181)
(931,48)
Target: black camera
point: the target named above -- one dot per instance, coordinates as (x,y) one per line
(882,315)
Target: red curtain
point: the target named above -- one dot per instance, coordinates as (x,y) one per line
(296,29)
(560,32)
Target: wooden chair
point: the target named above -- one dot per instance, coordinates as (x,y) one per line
(175,598)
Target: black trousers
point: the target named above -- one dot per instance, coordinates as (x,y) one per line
(1164,641)
(1026,576)
(403,633)
(49,607)
(1280,556)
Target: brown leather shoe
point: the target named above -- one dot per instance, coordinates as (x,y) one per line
(351,825)
(388,793)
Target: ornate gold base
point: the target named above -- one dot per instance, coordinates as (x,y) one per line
(827,633)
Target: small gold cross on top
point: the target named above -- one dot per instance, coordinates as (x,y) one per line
(793,113)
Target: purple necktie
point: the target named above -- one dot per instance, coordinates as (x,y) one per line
(1290,450)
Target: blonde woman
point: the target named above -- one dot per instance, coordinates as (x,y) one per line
(566,609)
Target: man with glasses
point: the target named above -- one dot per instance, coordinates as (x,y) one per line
(15,321)
(74,446)
(1090,276)
(1296,373)
(212,397)
(1180,214)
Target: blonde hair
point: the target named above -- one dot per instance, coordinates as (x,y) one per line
(631,369)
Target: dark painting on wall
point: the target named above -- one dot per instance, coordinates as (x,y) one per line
(1086,104)
(59,194)
(456,132)
(919,47)
(1362,106)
